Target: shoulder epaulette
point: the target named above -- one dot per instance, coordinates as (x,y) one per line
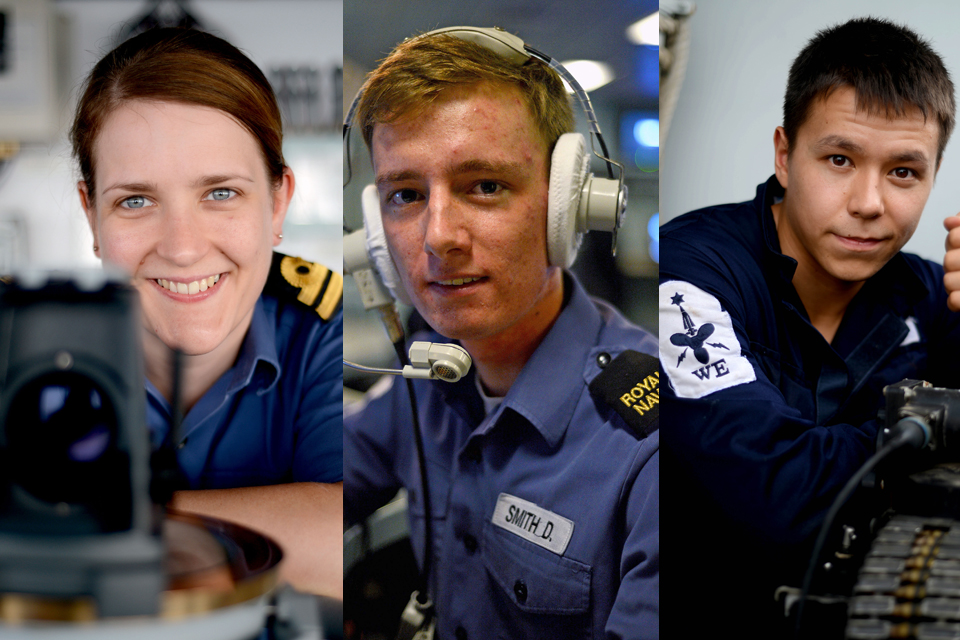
(630,384)
(309,283)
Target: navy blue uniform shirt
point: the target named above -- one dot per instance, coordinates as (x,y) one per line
(545,512)
(276,415)
(768,420)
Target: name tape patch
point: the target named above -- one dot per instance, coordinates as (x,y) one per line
(525,519)
(699,348)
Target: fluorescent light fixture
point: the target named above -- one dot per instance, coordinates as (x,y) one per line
(591,74)
(647,132)
(646,31)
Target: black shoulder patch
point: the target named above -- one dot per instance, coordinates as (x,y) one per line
(630,384)
(309,283)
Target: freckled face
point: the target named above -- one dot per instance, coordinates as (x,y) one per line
(856,184)
(463,194)
(184,204)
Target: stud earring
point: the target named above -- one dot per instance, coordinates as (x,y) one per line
(96,248)
(280,235)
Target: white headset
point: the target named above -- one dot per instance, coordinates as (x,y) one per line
(577,202)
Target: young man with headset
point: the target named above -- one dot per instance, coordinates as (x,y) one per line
(784,317)
(544,497)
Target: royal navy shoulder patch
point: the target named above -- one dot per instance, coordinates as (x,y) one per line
(630,383)
(309,283)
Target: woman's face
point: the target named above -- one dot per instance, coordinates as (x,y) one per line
(184,204)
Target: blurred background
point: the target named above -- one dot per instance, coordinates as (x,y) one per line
(48,46)
(719,146)
(621,76)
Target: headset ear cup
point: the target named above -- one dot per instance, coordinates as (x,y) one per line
(377,248)
(568,171)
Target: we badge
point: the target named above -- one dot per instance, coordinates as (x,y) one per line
(699,349)
(525,519)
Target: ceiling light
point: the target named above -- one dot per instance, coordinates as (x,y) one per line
(646,31)
(589,73)
(647,132)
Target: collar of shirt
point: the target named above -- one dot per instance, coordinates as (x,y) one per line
(897,276)
(259,346)
(551,383)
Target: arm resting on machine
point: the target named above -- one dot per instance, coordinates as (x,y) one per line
(305,518)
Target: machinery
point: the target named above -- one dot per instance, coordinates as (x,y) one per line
(87,549)
(895,573)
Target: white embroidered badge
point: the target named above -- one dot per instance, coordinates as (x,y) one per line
(699,349)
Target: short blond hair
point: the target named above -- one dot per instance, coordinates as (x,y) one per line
(420,69)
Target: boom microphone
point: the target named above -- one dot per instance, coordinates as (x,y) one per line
(429,361)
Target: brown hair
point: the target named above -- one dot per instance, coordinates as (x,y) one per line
(185,66)
(889,67)
(418,70)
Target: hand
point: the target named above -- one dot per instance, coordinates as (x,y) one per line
(951,262)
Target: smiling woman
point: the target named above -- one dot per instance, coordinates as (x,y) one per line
(178,138)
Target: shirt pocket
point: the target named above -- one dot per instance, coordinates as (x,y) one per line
(546,595)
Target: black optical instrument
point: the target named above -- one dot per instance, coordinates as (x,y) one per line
(76,517)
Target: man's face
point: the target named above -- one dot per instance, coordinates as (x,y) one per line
(463,194)
(856,185)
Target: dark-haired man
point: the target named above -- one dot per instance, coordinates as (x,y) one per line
(783,318)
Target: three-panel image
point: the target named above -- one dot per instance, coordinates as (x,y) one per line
(359,319)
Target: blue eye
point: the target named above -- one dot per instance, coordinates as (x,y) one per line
(134,202)
(221,194)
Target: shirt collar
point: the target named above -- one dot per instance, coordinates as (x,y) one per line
(767,195)
(259,346)
(898,280)
(551,383)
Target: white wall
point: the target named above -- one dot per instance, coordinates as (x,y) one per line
(720,143)
(38,185)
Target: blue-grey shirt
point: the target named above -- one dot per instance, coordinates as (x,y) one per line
(545,512)
(276,415)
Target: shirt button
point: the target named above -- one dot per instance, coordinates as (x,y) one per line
(520,590)
(603,359)
(182,444)
(461,633)
(470,543)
